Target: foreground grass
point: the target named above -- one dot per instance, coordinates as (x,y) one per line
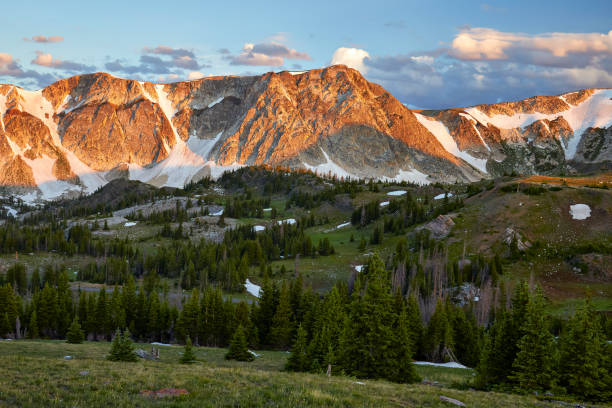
(35,373)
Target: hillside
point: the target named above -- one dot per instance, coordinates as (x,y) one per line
(89,380)
(82,132)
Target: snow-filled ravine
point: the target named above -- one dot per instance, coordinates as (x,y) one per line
(580,211)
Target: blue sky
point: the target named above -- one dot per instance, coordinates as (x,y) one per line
(428,54)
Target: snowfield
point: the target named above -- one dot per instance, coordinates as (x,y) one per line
(595,111)
(258,228)
(448,365)
(396,193)
(580,211)
(252,288)
(446,140)
(129,224)
(439,196)
(287,221)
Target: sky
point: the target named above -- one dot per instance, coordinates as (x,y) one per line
(428,54)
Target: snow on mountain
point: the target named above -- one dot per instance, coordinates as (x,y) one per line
(441,133)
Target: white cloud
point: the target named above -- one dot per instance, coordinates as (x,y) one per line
(351,57)
(480,43)
(193,75)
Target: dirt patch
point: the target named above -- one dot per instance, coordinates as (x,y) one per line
(599,180)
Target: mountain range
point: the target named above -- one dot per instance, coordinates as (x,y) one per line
(79,133)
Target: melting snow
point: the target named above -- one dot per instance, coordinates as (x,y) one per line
(396,193)
(328,167)
(346,224)
(129,224)
(359,268)
(155,343)
(446,140)
(384,204)
(287,221)
(448,365)
(10,210)
(595,111)
(218,213)
(252,288)
(580,211)
(439,196)
(267,209)
(216,101)
(258,228)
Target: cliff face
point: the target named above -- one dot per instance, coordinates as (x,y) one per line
(80,132)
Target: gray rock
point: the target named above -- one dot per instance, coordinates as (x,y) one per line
(452,401)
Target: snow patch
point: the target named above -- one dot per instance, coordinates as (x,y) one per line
(129,224)
(446,140)
(216,101)
(218,213)
(258,228)
(252,288)
(440,196)
(267,209)
(595,111)
(155,343)
(287,221)
(10,210)
(396,193)
(384,203)
(328,167)
(346,224)
(580,211)
(359,268)
(447,365)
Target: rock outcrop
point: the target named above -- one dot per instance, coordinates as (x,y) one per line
(81,132)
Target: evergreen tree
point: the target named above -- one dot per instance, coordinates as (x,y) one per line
(33,327)
(534,366)
(238,349)
(415,325)
(75,334)
(281,331)
(439,336)
(582,367)
(374,343)
(188,356)
(122,348)
(298,360)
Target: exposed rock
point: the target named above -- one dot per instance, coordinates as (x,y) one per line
(452,401)
(510,235)
(93,128)
(439,227)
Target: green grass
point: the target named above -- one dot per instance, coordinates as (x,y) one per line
(35,373)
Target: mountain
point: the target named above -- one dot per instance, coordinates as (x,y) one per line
(81,132)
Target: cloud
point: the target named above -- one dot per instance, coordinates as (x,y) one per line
(223,51)
(165,50)
(193,75)
(397,24)
(156,61)
(351,57)
(484,65)
(46,60)
(550,49)
(10,68)
(169,78)
(43,39)
(266,54)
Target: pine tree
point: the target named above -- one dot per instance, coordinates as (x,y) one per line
(439,336)
(5,326)
(122,348)
(374,343)
(415,325)
(281,331)
(298,360)
(534,366)
(238,349)
(33,327)
(75,334)
(188,356)
(582,367)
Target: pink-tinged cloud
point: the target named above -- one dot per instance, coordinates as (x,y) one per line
(266,54)
(472,44)
(44,39)
(47,60)
(5,59)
